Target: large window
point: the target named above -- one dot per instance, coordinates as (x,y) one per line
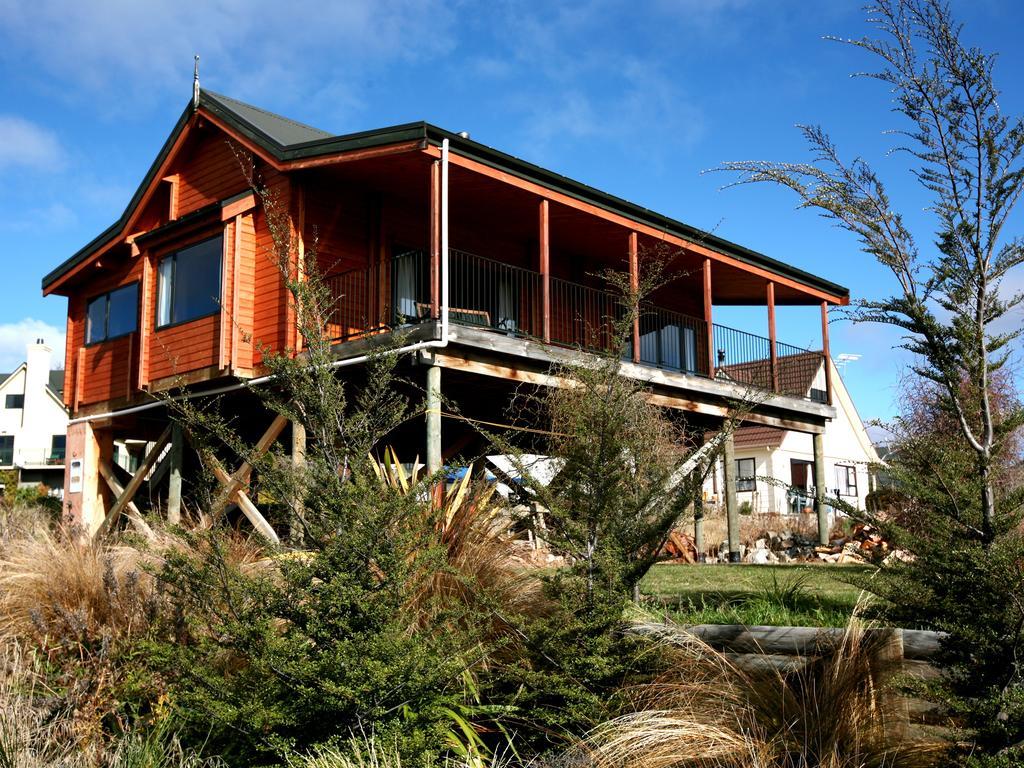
(6,450)
(112,314)
(189,283)
(846,480)
(14,401)
(746,475)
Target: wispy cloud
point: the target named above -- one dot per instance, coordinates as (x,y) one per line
(27,145)
(15,336)
(131,50)
(48,218)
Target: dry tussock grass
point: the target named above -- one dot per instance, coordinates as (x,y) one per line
(81,606)
(838,711)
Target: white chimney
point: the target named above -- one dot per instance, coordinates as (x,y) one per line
(37,375)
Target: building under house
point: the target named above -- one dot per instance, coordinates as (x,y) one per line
(486,262)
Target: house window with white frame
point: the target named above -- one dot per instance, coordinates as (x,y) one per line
(746,475)
(846,480)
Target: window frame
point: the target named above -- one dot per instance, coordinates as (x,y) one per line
(844,488)
(173,254)
(746,483)
(53,449)
(137,284)
(7,402)
(5,438)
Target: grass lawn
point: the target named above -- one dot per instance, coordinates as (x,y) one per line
(797,595)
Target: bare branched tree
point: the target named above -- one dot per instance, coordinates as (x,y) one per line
(968,156)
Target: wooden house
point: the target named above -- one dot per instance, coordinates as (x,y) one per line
(487,263)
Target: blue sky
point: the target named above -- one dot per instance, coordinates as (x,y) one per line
(636,98)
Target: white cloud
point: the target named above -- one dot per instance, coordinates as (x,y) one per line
(25,144)
(134,51)
(15,336)
(50,218)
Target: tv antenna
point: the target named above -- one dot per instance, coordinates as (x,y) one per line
(844,359)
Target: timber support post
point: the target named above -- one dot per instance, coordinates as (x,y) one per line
(732,510)
(819,488)
(177,456)
(87,447)
(299,463)
(698,521)
(433,418)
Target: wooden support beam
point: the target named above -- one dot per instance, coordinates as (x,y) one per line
(136,482)
(241,498)
(241,476)
(435,239)
(825,351)
(773,352)
(236,267)
(634,285)
(545,270)
(818,443)
(298,454)
(224,320)
(132,511)
(433,418)
(145,292)
(709,327)
(76,397)
(732,507)
(176,459)
(300,256)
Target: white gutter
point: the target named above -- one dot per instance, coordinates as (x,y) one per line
(432,344)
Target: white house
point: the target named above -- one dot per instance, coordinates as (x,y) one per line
(33,420)
(775,467)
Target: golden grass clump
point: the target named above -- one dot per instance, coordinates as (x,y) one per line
(839,710)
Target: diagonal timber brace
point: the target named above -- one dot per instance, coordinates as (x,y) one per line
(132,511)
(234,483)
(241,498)
(125,498)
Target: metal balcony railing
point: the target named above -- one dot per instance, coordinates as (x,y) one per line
(508,299)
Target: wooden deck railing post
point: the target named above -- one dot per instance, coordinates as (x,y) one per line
(709,328)
(545,270)
(774,351)
(634,285)
(826,356)
(435,239)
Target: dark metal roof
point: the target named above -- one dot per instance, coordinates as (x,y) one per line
(56,382)
(287,140)
(275,127)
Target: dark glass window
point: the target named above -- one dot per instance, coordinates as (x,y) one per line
(189,283)
(6,450)
(112,314)
(846,481)
(746,475)
(14,401)
(58,446)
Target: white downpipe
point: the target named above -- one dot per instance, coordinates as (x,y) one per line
(432,344)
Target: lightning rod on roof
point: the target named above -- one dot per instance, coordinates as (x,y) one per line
(195,85)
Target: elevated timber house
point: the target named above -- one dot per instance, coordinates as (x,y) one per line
(487,265)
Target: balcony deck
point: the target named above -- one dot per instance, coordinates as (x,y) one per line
(497,308)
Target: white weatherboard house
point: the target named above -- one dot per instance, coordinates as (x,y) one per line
(33,421)
(775,467)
